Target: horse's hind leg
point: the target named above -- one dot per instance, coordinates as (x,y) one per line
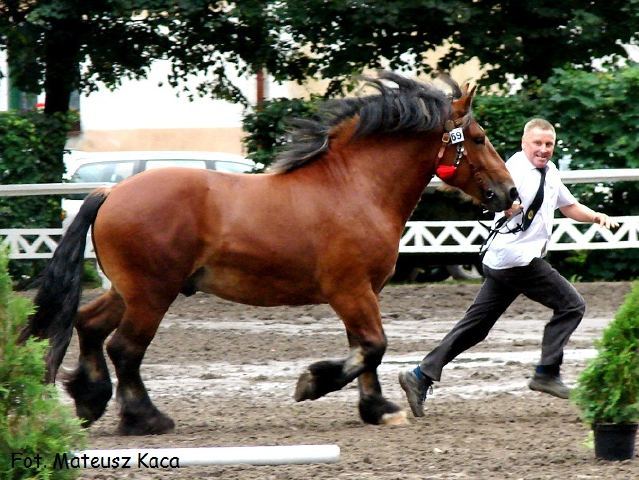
(90,384)
(127,346)
(361,316)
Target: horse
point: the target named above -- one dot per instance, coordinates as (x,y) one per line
(323,225)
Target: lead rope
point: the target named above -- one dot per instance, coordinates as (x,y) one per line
(492,232)
(527,219)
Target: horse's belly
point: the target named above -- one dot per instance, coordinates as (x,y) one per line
(260,290)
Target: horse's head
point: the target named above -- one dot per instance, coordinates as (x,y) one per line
(468,161)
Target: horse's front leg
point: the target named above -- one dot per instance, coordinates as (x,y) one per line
(362,319)
(373,407)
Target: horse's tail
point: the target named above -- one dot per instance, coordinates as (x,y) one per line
(60,287)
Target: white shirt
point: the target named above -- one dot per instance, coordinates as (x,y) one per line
(518,249)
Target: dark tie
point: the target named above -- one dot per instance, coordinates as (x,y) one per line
(537,201)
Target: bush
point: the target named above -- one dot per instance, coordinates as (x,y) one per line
(608,389)
(503,118)
(32,145)
(267,130)
(33,421)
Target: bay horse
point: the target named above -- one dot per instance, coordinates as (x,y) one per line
(323,226)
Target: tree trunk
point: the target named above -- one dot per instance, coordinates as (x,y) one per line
(62,59)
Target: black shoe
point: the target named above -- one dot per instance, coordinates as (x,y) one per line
(416,391)
(550,384)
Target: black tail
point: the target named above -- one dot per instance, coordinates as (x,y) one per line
(61,285)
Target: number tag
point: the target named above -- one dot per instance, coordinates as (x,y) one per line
(456,135)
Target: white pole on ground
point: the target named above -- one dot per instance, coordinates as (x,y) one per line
(201,456)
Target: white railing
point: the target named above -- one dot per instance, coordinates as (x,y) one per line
(34,189)
(467,236)
(567,176)
(419,237)
(34,243)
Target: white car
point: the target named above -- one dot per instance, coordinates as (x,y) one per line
(113,167)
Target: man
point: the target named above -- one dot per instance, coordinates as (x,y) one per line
(513,265)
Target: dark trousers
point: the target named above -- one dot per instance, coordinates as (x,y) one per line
(539,282)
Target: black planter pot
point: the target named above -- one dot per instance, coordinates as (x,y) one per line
(615,441)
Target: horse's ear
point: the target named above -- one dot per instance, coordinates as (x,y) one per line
(463,103)
(468,96)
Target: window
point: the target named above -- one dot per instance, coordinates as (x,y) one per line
(103,172)
(223,166)
(152,164)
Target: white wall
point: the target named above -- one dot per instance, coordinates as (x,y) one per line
(145,104)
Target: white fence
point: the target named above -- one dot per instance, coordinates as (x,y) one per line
(419,237)
(467,236)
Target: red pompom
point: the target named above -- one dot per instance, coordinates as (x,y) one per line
(446,172)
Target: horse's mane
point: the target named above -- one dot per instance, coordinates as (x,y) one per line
(409,106)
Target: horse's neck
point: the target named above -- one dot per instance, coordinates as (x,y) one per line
(392,171)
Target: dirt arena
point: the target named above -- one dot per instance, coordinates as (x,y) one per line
(226,374)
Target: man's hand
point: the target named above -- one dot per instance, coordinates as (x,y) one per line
(513,210)
(604,220)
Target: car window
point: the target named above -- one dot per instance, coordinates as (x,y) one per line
(152,164)
(224,166)
(103,172)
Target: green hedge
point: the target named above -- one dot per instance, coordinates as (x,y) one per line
(31,148)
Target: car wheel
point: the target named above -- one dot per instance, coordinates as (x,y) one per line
(428,274)
(463,272)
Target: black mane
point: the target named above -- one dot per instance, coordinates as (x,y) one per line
(410,106)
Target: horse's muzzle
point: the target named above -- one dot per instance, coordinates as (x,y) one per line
(500,200)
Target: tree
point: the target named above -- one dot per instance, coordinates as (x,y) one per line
(57,46)
(48,40)
(526,39)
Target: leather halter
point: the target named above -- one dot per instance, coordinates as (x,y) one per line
(446,172)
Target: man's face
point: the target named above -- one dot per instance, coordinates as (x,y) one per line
(538,145)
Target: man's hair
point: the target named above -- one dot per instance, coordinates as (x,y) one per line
(539,123)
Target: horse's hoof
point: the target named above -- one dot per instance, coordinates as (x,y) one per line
(91,398)
(158,424)
(395,418)
(87,415)
(376,410)
(305,388)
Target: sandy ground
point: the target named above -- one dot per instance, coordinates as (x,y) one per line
(226,374)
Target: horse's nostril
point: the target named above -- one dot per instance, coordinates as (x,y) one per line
(513,193)
(490,194)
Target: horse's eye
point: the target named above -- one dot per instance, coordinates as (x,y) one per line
(479,140)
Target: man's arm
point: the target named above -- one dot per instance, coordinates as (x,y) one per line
(581,213)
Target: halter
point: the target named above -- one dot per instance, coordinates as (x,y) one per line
(453,134)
